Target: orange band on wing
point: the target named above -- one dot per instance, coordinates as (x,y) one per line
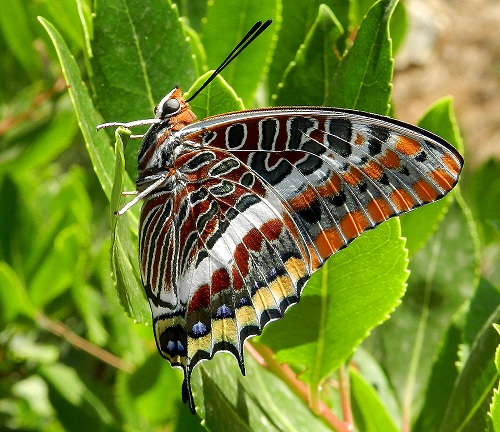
(407,146)
(402,200)
(425,191)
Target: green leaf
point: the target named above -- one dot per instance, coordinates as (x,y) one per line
(307,80)
(363,79)
(199,56)
(60,204)
(52,140)
(482,305)
(10,221)
(89,304)
(152,56)
(441,382)
(369,412)
(14,299)
(358,9)
(217,98)
(371,370)
(85,16)
(440,119)
(221,32)
(494,414)
(472,394)
(56,274)
(23,347)
(418,226)
(34,391)
(64,381)
(142,395)
(354,292)
(138,58)
(398,26)
(194,10)
(297,19)
(124,258)
(98,146)
(443,277)
(258,401)
(126,338)
(18,35)
(64,14)
(482,191)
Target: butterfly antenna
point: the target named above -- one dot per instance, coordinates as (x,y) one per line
(253,33)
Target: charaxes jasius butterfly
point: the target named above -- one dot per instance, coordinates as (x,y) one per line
(241,208)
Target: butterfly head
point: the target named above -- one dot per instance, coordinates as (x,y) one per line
(168,106)
(174,109)
(158,146)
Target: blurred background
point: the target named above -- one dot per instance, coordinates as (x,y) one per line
(453,48)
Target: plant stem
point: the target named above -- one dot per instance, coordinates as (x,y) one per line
(345,394)
(264,356)
(61,330)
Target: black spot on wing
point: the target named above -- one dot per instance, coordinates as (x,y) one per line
(272,175)
(224,188)
(311,164)
(421,157)
(206,217)
(298,126)
(223,167)
(339,137)
(235,136)
(311,214)
(377,136)
(173,341)
(199,195)
(247,179)
(269,128)
(198,161)
(338,199)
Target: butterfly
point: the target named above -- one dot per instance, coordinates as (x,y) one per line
(241,208)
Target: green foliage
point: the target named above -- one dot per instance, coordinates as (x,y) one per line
(69,279)
(341,304)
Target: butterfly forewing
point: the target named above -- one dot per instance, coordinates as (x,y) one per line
(338,172)
(255,201)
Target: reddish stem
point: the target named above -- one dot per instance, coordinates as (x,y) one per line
(264,356)
(61,330)
(345,394)
(9,122)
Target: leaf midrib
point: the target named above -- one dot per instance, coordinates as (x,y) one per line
(139,53)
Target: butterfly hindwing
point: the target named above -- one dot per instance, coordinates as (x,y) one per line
(220,258)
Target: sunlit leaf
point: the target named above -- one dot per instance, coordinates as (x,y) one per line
(307,80)
(258,401)
(369,412)
(221,32)
(138,58)
(124,258)
(442,279)
(471,396)
(363,79)
(355,291)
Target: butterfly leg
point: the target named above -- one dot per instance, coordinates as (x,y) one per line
(140,196)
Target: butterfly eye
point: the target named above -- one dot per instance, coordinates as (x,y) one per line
(169,108)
